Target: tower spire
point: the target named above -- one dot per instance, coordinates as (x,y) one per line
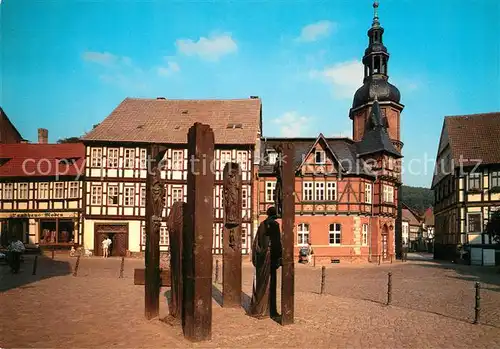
(375,23)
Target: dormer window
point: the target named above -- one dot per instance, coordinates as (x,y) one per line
(320,157)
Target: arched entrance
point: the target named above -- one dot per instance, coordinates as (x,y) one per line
(385,242)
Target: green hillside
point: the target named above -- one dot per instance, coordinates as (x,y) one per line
(417,198)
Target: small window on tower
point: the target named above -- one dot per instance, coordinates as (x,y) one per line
(376,65)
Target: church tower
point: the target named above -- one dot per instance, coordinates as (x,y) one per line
(376,87)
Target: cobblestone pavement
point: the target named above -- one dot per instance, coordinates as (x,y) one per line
(433,307)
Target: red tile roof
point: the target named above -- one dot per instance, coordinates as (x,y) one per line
(35,160)
(235,121)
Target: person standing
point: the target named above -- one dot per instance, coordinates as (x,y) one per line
(310,253)
(105,247)
(16,249)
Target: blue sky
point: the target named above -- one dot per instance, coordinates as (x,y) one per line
(67,64)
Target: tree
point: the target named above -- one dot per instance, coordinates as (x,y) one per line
(69,140)
(493,227)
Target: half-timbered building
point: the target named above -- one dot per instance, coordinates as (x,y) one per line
(466,185)
(346,190)
(41,193)
(116,167)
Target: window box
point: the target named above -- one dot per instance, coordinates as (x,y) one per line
(474,191)
(495,189)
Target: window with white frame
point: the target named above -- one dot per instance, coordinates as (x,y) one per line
(368,193)
(58,190)
(243,237)
(388,192)
(177,159)
(73,190)
(8,191)
(225,157)
(302,234)
(241,159)
(143,157)
(364,237)
(163,236)
(142,202)
(270,188)
(474,223)
(319,191)
(128,196)
(272,157)
(22,191)
(307,191)
(494,179)
(320,157)
(112,195)
(331,191)
(129,158)
(334,234)
(96,195)
(244,198)
(96,157)
(43,191)
(474,181)
(113,156)
(177,194)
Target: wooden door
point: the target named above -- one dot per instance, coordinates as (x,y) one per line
(119,244)
(385,245)
(118,233)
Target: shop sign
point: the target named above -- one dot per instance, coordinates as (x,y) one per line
(42,215)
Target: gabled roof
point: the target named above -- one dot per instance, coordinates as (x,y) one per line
(409,215)
(39,160)
(472,138)
(163,121)
(4,116)
(375,139)
(429,217)
(343,148)
(327,147)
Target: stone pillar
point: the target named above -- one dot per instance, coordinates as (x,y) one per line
(231,264)
(175,230)
(288,224)
(155,202)
(198,235)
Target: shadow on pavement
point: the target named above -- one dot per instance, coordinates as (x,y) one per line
(45,268)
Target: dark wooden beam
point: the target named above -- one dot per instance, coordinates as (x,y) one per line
(198,235)
(288,224)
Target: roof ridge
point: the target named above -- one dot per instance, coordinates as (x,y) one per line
(192,99)
(467,115)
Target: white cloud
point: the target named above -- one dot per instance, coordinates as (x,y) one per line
(292,124)
(316,31)
(104,58)
(172,67)
(345,77)
(211,48)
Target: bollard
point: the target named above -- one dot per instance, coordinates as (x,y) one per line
(389,288)
(323,269)
(379,259)
(76,266)
(391,258)
(216,271)
(314,260)
(52,253)
(35,265)
(121,268)
(477,308)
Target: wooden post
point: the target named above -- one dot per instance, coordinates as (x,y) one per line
(122,265)
(477,308)
(198,235)
(35,265)
(216,281)
(53,252)
(231,263)
(155,197)
(389,288)
(288,224)
(76,266)
(323,272)
(175,231)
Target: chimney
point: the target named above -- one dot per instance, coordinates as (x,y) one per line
(43,136)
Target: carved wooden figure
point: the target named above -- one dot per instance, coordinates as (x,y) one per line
(175,229)
(232,202)
(155,199)
(198,236)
